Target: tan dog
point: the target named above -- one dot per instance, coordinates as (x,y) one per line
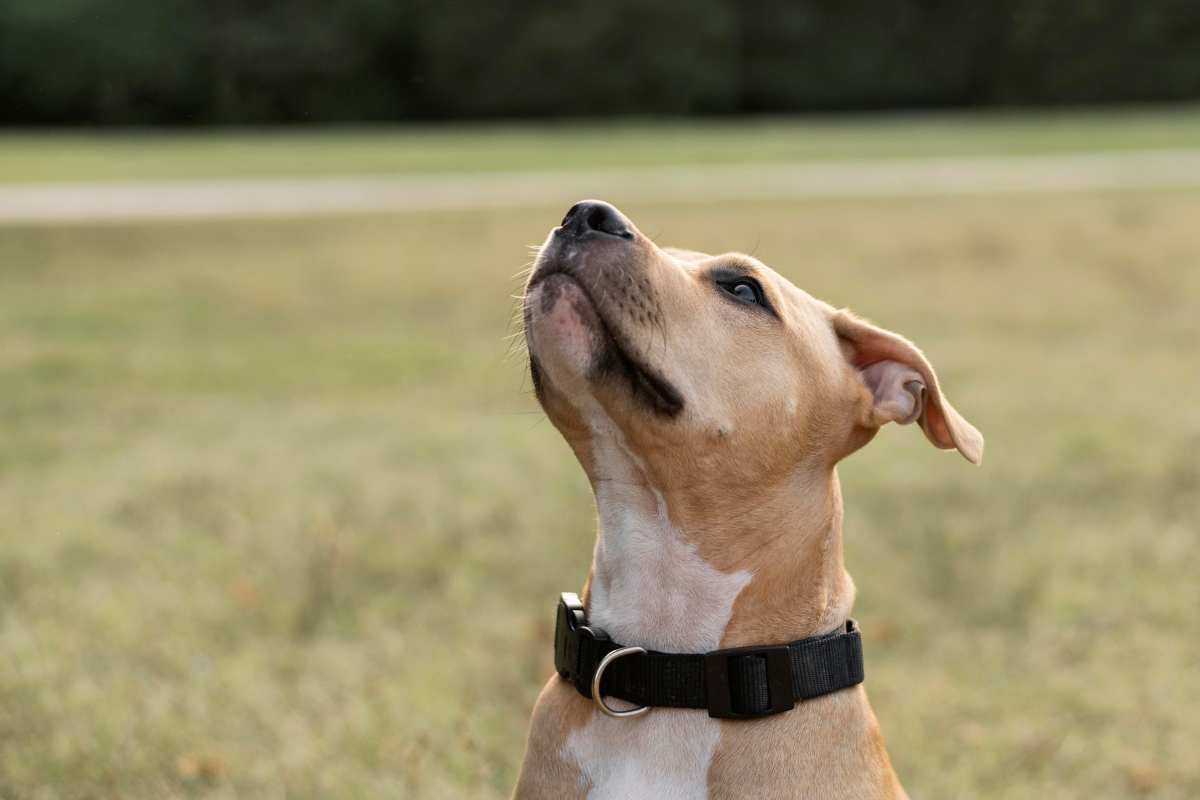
(709,401)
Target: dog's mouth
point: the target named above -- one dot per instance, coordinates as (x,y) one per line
(615,358)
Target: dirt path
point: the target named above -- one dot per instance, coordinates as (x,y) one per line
(827,179)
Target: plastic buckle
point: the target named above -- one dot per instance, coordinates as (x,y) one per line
(569,619)
(570,632)
(779,681)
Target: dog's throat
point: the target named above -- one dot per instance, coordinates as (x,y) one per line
(649,585)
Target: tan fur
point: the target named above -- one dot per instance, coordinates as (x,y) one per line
(558,711)
(746,474)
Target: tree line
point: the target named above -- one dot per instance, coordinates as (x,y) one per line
(142,62)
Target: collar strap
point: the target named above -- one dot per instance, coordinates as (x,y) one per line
(742,683)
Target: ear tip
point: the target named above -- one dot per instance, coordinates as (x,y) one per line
(972,447)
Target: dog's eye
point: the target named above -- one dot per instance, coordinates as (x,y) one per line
(745,290)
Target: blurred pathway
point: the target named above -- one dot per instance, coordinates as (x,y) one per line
(202,199)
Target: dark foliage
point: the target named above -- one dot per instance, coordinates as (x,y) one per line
(244,61)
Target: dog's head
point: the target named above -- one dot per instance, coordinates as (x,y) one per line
(712,366)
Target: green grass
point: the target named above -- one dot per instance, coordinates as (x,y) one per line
(40,156)
(278,516)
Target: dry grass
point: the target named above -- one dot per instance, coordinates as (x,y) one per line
(153,155)
(279,518)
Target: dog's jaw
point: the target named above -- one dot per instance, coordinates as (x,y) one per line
(563,320)
(563,331)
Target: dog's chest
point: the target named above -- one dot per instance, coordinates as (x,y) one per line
(664,754)
(652,588)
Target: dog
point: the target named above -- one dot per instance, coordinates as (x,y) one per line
(709,402)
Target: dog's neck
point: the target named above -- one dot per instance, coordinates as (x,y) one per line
(707,566)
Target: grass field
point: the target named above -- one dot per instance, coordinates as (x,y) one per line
(280,518)
(40,156)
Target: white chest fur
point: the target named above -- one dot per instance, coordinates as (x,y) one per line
(649,587)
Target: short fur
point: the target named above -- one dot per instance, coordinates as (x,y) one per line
(720,512)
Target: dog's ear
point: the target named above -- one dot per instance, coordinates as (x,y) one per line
(903,386)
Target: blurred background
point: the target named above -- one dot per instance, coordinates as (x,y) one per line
(279,516)
(145,62)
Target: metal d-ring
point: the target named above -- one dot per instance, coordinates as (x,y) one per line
(604,662)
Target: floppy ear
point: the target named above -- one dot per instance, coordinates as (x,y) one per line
(903,386)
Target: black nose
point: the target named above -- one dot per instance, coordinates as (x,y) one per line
(596,216)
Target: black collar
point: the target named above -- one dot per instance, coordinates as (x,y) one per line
(742,683)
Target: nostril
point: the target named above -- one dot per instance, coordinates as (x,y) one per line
(598,219)
(604,218)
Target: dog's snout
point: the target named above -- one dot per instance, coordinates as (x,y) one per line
(595,216)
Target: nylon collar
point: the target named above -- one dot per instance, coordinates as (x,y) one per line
(740,683)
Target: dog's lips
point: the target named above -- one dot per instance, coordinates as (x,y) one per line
(613,355)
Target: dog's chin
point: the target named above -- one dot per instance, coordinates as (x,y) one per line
(564,331)
(576,350)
